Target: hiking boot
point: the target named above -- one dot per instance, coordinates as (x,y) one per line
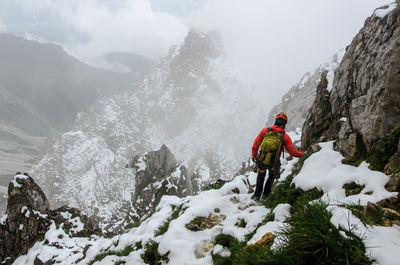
(256,198)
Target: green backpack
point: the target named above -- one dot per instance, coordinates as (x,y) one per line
(270,148)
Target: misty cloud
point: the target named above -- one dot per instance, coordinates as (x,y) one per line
(3,27)
(271,42)
(90,28)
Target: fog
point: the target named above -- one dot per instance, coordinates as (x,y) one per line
(272,43)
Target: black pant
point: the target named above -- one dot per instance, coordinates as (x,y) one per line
(268,184)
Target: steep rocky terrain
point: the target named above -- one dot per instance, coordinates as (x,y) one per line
(41,90)
(298,100)
(192,102)
(29,217)
(320,211)
(362,111)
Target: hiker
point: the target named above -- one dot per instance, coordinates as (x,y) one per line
(271,141)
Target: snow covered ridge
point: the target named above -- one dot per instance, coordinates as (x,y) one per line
(183,230)
(178,104)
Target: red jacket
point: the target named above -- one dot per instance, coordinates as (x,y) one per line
(287,142)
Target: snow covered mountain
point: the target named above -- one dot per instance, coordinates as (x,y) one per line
(41,89)
(192,102)
(298,100)
(226,225)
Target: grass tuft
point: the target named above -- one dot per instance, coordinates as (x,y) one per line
(309,239)
(177,211)
(352,188)
(152,256)
(241,223)
(122,253)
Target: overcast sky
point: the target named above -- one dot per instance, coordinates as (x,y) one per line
(271,42)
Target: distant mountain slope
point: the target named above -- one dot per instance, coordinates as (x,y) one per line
(192,102)
(298,100)
(129,62)
(41,90)
(52,83)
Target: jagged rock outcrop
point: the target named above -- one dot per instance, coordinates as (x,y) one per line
(365,100)
(192,102)
(319,116)
(29,217)
(298,100)
(158,174)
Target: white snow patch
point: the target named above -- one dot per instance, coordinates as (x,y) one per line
(3,219)
(343,119)
(40,214)
(14,181)
(325,171)
(141,164)
(385,10)
(66,215)
(381,243)
(222,251)
(282,211)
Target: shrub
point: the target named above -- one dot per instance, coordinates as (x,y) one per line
(310,239)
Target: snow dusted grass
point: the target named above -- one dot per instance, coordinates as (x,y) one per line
(307,212)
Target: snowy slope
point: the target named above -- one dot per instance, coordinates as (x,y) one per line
(192,102)
(226,208)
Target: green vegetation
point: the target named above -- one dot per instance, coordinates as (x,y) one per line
(214,186)
(137,224)
(286,192)
(383,151)
(366,217)
(175,214)
(241,223)
(151,255)
(269,217)
(379,154)
(310,239)
(352,188)
(122,253)
(372,214)
(197,221)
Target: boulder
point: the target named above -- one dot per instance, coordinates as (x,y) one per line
(28,218)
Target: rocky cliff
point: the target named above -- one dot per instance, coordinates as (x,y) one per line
(362,111)
(192,102)
(29,217)
(298,100)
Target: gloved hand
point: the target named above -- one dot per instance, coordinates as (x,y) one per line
(254,159)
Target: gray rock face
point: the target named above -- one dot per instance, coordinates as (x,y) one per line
(158,174)
(29,217)
(317,120)
(192,102)
(365,99)
(298,100)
